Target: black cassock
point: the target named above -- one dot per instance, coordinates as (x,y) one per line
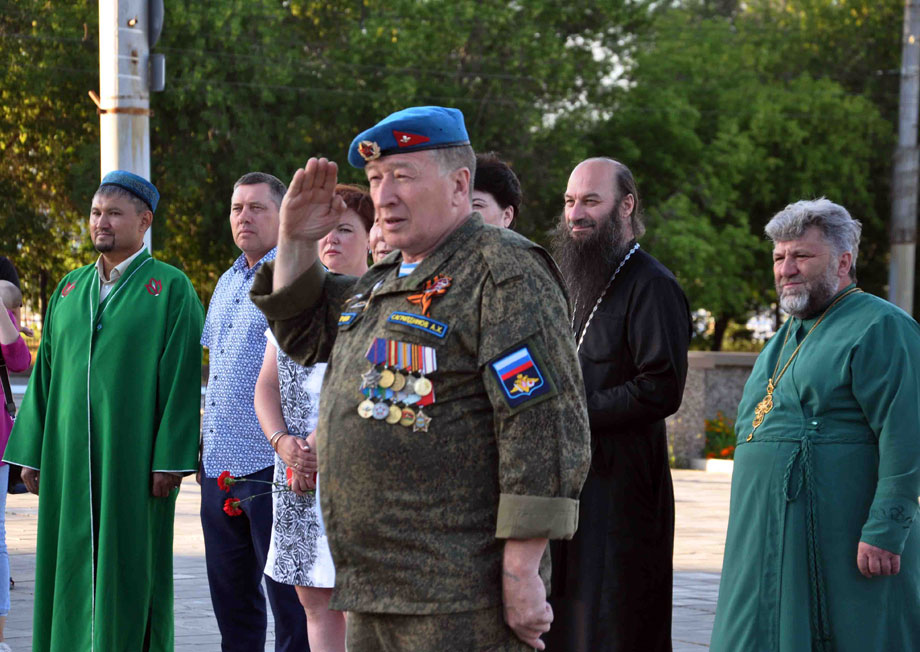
(612,581)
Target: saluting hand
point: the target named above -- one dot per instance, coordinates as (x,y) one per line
(311,208)
(873,561)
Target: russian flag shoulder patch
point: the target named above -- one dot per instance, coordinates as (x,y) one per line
(520,377)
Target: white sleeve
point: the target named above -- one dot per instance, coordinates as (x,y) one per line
(271,338)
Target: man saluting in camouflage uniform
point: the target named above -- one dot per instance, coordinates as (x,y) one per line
(453,438)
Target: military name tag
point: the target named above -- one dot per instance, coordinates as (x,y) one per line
(421,322)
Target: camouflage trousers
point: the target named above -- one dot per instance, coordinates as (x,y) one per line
(483,630)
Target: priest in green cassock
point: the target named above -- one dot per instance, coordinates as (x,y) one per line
(108,426)
(823,551)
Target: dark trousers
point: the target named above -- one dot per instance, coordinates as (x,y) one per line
(235,552)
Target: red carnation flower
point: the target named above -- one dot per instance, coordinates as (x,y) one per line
(232,507)
(225,481)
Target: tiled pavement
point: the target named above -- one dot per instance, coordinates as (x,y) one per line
(701,510)
(702,514)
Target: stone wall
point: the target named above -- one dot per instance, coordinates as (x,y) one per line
(715,382)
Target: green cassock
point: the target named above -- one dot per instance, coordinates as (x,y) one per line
(114,395)
(836,462)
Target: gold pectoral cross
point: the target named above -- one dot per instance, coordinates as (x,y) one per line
(763,409)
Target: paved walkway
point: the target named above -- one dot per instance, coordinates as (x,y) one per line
(702,515)
(701,511)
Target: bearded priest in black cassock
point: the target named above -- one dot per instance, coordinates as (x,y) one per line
(611,588)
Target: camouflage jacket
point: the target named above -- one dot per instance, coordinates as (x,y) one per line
(416,519)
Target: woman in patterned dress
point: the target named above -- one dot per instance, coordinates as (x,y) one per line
(287,404)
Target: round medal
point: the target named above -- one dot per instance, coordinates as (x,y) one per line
(399,382)
(381,411)
(395,415)
(386,379)
(366,409)
(422,386)
(408,417)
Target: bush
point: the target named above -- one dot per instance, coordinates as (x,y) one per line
(720,438)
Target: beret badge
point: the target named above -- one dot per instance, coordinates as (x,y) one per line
(369,150)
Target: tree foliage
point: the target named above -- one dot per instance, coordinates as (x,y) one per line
(265,85)
(48,160)
(723,126)
(725,111)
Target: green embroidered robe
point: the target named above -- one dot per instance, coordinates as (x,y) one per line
(114,395)
(837,461)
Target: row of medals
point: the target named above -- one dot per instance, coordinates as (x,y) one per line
(396,381)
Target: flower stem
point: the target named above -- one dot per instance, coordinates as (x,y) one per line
(268,493)
(274,484)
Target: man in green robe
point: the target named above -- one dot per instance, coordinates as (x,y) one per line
(109,424)
(822,550)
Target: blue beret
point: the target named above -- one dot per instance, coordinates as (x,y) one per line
(137,186)
(409,130)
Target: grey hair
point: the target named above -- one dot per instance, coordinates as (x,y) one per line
(454,158)
(840,230)
(276,187)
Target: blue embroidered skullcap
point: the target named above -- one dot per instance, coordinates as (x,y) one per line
(137,186)
(410,130)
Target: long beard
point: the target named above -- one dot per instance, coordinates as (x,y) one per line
(587,263)
(813,297)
